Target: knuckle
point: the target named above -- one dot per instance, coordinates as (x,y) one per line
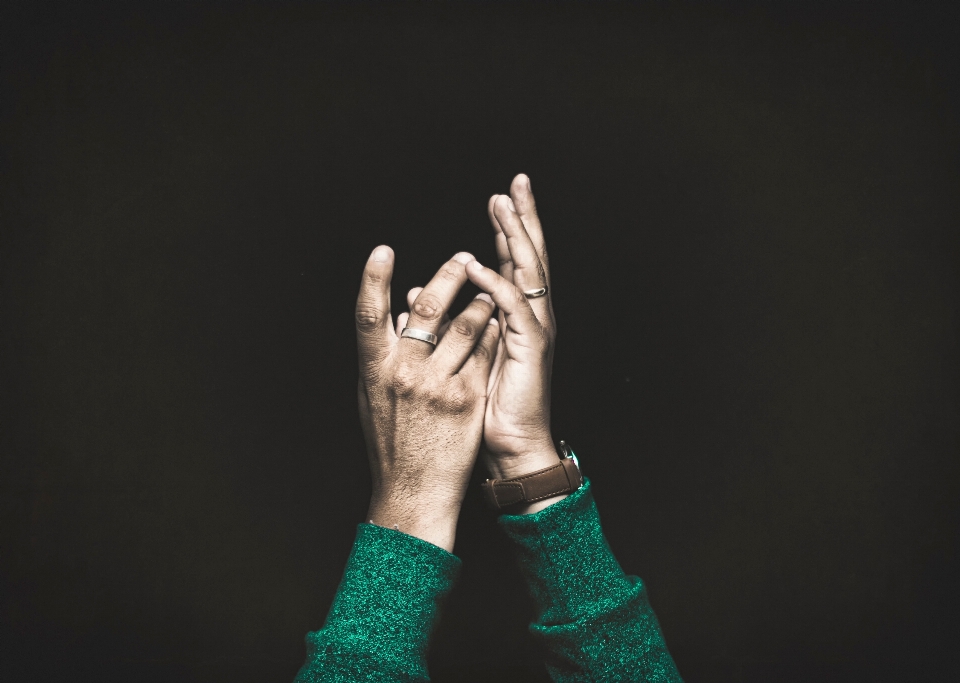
(462,327)
(451,271)
(458,398)
(545,339)
(405,382)
(539,339)
(367,315)
(482,352)
(541,273)
(427,307)
(374,277)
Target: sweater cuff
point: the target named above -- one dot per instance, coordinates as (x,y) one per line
(567,562)
(390,595)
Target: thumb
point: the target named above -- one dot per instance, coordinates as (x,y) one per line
(374,328)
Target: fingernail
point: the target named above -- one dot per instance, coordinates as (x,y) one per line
(475,264)
(510,204)
(528,184)
(380,254)
(483,296)
(463,257)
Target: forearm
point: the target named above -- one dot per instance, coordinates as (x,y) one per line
(431,519)
(594,621)
(388,603)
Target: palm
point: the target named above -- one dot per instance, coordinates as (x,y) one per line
(517,417)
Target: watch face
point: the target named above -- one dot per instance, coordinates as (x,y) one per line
(568,453)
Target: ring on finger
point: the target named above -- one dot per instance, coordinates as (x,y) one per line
(535,293)
(422,335)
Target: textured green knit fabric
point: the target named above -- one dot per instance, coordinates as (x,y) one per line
(595,622)
(388,602)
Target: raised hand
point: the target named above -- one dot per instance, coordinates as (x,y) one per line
(422,408)
(516,430)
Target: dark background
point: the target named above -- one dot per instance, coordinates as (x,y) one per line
(752,215)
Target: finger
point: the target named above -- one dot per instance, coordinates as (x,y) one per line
(506,271)
(444,327)
(500,241)
(375,335)
(433,302)
(528,273)
(500,356)
(401,322)
(526,207)
(411,297)
(479,363)
(522,330)
(463,334)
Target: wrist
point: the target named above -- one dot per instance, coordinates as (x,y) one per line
(511,467)
(432,520)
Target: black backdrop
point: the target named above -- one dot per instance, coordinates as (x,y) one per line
(752,217)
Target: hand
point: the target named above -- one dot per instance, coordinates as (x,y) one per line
(516,431)
(422,407)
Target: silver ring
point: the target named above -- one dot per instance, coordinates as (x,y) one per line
(535,293)
(422,335)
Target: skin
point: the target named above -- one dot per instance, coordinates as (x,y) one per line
(516,432)
(427,411)
(421,407)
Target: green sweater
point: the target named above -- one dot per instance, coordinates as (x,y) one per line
(593,621)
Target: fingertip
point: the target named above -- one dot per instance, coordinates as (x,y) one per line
(523,196)
(412,296)
(492,213)
(505,200)
(521,182)
(463,257)
(491,337)
(474,266)
(381,254)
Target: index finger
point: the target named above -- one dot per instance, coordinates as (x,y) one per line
(523,330)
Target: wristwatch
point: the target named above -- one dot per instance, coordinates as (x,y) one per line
(564,477)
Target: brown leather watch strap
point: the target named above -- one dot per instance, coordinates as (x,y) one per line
(564,477)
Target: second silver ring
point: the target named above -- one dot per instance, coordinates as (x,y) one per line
(535,293)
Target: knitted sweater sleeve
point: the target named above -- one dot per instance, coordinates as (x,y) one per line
(594,622)
(384,611)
